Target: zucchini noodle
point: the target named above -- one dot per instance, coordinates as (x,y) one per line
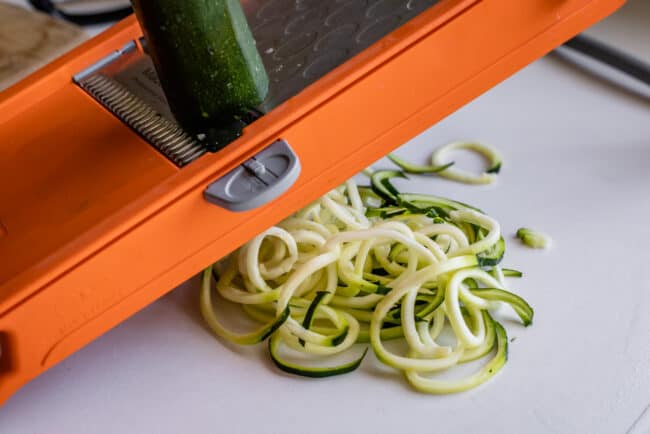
(489,153)
(439,165)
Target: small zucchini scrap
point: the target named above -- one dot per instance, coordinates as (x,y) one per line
(534,239)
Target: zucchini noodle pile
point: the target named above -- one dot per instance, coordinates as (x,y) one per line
(370,265)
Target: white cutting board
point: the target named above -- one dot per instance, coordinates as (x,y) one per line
(577,165)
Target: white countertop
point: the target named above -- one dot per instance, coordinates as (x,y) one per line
(577,166)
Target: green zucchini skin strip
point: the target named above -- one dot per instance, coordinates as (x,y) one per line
(311,310)
(386,212)
(520,306)
(428,200)
(307,371)
(381,185)
(309,316)
(251,338)
(415,169)
(489,370)
(508,272)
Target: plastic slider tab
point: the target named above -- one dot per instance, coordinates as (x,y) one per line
(257,181)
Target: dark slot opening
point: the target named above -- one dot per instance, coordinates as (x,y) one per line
(6,364)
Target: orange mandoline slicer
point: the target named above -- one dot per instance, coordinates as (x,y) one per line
(106,205)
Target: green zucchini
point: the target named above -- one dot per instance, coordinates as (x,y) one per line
(206,59)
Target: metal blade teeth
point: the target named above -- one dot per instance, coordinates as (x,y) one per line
(164,135)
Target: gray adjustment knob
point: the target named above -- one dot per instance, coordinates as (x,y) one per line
(258,180)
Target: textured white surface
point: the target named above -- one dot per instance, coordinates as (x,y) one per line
(577,167)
